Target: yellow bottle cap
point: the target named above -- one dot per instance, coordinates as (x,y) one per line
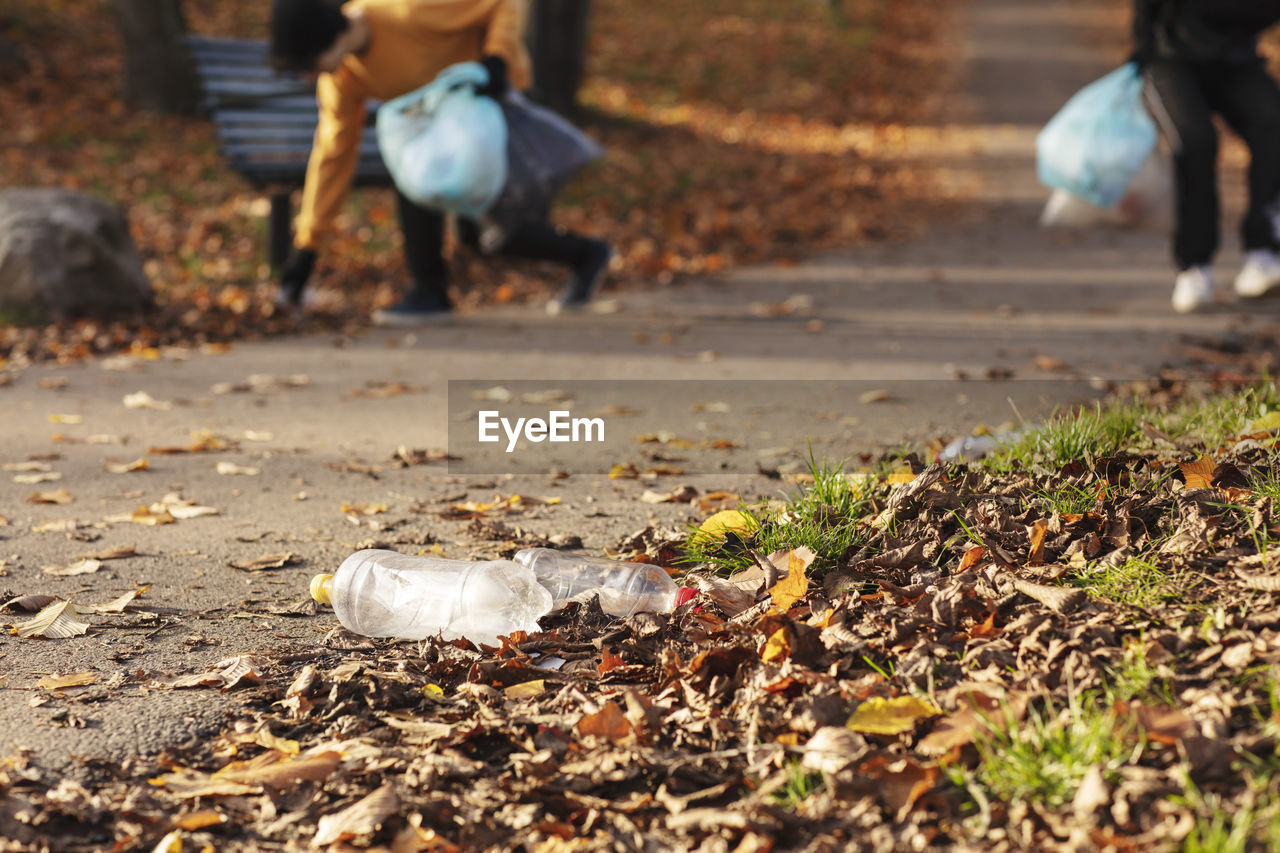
(322,588)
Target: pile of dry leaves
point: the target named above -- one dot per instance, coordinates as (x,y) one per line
(963,677)
(751,132)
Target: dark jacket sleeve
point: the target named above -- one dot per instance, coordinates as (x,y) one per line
(1144,30)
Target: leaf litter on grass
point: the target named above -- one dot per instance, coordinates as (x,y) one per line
(957,677)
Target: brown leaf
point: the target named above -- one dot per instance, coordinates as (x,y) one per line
(1199,473)
(266,561)
(118,552)
(901,783)
(1035,557)
(1056,598)
(363,817)
(970,559)
(280,775)
(609,661)
(610,723)
(61,496)
(126,467)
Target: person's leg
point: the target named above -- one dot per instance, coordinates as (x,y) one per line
(423,231)
(1175,96)
(586,257)
(1249,100)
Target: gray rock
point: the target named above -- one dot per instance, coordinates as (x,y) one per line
(65,254)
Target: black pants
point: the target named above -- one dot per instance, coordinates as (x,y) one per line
(1182,98)
(424,245)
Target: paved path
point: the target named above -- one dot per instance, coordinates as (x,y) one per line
(991,293)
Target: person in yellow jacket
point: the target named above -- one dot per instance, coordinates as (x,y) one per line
(381,49)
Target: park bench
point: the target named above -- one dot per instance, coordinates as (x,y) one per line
(265,122)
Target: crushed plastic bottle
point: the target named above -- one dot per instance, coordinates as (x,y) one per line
(381,593)
(624,588)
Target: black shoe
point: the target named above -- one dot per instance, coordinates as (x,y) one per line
(419,308)
(587,276)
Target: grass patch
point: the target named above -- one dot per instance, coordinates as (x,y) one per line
(1044,757)
(1137,582)
(1085,435)
(801,785)
(827,516)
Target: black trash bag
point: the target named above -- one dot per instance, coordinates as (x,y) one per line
(544,152)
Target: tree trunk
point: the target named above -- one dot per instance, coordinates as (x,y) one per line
(158,74)
(558,45)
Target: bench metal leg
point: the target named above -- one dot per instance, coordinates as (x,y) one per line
(280,229)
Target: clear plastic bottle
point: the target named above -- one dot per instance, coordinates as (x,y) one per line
(624,588)
(385,594)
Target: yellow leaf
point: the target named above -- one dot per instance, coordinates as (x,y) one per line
(778,647)
(890,716)
(793,587)
(1270,422)
(901,475)
(193,821)
(1198,474)
(365,509)
(728,521)
(526,689)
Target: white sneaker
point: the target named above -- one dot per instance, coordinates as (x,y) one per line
(1260,275)
(1193,289)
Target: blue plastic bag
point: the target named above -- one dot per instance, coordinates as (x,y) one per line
(1096,144)
(444,145)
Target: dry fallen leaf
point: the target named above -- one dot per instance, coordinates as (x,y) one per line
(34,479)
(74,679)
(126,467)
(228,674)
(148,516)
(30,467)
(526,689)
(56,622)
(80,567)
(120,603)
(281,775)
(143,400)
(119,552)
(890,716)
(230,468)
(1198,474)
(360,818)
(182,509)
(266,561)
(364,509)
(610,723)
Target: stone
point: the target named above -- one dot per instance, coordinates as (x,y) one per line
(65,254)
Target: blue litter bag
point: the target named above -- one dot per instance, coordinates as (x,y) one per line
(444,145)
(1096,144)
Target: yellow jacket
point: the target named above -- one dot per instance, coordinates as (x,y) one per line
(410,41)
